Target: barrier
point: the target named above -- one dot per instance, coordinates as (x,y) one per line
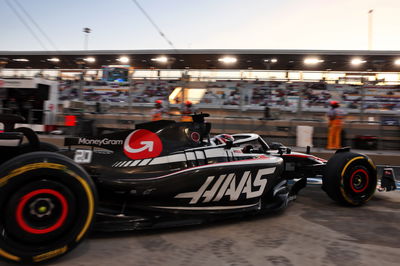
(363,129)
(239,118)
(283,130)
(126,118)
(115,121)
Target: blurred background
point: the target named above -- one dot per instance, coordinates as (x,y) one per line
(266,67)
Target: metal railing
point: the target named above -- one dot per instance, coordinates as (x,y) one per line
(127,120)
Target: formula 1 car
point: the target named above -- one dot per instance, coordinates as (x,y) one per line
(160,174)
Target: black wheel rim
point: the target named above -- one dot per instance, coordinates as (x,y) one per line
(359,180)
(40,211)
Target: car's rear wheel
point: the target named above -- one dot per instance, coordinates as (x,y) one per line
(350,178)
(48,203)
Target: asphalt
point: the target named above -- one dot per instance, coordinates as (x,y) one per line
(313,230)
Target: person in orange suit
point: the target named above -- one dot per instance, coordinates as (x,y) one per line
(336,116)
(157,111)
(187,111)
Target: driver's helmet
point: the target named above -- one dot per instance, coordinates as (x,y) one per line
(222,139)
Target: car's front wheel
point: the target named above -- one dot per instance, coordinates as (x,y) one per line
(48,204)
(350,178)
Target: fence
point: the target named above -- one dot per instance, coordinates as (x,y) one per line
(285,131)
(279,130)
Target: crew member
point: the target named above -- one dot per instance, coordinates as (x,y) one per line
(187,111)
(157,111)
(336,117)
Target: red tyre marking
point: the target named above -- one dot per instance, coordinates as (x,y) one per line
(21,221)
(366,183)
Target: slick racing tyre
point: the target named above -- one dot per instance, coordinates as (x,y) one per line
(47,203)
(350,178)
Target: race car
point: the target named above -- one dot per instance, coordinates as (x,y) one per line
(160,174)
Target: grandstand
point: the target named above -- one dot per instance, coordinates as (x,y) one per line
(225,83)
(276,94)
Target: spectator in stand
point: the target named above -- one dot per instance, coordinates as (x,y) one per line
(267,113)
(353,105)
(98,107)
(246,99)
(336,116)
(223,96)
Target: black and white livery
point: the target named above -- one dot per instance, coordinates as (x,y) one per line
(160,174)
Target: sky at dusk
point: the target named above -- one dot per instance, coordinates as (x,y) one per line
(206,24)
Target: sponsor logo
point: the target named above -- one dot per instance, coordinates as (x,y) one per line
(99,142)
(142,144)
(229,186)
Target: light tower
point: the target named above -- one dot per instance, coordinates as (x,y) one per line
(86,41)
(370,29)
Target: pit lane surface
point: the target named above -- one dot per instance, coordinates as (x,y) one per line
(311,231)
